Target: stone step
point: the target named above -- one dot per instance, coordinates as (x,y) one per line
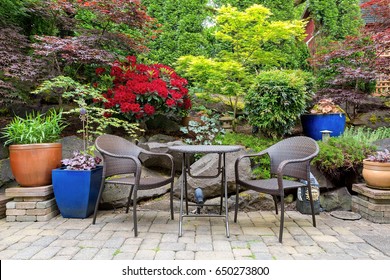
(42,191)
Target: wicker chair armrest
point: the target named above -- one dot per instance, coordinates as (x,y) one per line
(259,154)
(284,163)
(136,161)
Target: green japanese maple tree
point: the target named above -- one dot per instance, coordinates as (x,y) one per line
(251,43)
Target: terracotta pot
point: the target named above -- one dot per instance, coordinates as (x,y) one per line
(376,174)
(31,164)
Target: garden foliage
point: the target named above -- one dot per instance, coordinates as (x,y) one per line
(276,100)
(348,69)
(337,19)
(251,40)
(42,39)
(343,155)
(140,91)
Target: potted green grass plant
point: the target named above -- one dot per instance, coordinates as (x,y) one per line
(33,150)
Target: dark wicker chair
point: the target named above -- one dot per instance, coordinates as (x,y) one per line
(290,157)
(122,157)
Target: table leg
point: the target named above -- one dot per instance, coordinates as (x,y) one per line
(186,169)
(181,198)
(221,168)
(226,196)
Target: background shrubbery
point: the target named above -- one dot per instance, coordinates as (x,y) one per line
(276,100)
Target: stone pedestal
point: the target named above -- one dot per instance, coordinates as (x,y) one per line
(31,204)
(372,204)
(3,201)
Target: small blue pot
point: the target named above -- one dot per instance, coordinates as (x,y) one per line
(76,191)
(313,124)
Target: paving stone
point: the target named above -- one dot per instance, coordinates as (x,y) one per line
(9,240)
(61,258)
(129,248)
(171,246)
(165,255)
(86,254)
(46,204)
(203,238)
(69,251)
(199,247)
(106,254)
(214,255)
(45,241)
(71,234)
(46,253)
(27,253)
(124,256)
(25,205)
(262,256)
(10,205)
(114,242)
(145,255)
(26,218)
(19,246)
(64,243)
(185,255)
(242,253)
(48,216)
(150,244)
(8,254)
(258,247)
(222,245)
(15,212)
(309,249)
(324,238)
(29,192)
(170,237)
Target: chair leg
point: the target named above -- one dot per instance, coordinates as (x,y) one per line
(135,213)
(129,199)
(98,201)
(236,205)
(313,216)
(275,198)
(171,201)
(281,219)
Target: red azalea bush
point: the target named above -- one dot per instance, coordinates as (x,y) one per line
(140,91)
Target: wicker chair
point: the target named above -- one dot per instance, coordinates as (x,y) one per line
(290,157)
(123,157)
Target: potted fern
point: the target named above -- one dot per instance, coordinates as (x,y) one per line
(33,150)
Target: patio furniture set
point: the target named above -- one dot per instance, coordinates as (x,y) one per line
(290,167)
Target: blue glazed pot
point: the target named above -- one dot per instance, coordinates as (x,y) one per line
(313,124)
(76,191)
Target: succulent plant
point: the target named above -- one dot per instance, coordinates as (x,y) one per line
(81,161)
(325,106)
(380,156)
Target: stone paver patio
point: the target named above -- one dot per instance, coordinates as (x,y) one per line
(253,237)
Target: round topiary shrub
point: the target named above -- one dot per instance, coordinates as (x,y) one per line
(276,100)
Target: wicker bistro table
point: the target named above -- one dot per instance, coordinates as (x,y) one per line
(188,150)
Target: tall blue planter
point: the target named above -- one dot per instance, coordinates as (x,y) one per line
(313,124)
(76,191)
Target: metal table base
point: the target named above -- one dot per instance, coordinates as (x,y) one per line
(221,150)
